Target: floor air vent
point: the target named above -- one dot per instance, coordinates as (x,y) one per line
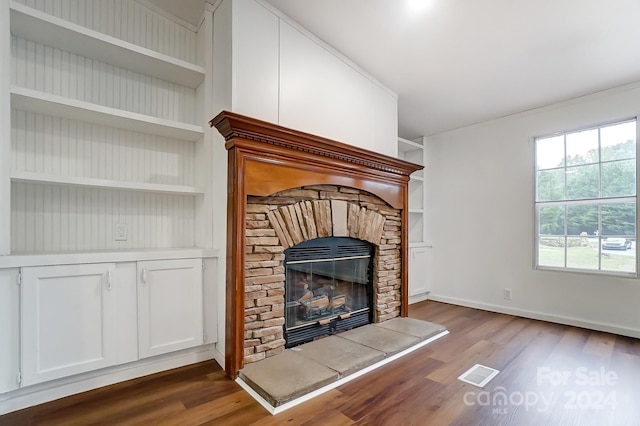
(478,375)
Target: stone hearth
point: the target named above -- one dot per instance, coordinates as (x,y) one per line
(327,362)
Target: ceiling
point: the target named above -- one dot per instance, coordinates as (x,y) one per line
(458,62)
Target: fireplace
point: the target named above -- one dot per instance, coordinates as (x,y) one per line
(288,190)
(328,287)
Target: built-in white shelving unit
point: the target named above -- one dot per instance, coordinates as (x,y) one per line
(40,27)
(107,195)
(106,133)
(413,151)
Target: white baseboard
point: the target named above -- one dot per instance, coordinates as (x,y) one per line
(419,297)
(559,319)
(56,389)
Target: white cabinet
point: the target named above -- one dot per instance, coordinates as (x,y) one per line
(418,266)
(9,329)
(68,316)
(170,315)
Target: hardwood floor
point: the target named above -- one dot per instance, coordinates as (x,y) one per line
(549,374)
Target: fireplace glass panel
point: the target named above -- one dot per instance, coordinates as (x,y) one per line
(328,287)
(325,289)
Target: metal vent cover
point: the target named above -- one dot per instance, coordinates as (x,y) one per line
(328,248)
(478,375)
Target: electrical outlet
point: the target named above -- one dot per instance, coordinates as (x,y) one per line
(507,293)
(121,232)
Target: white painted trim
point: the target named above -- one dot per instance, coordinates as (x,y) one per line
(419,297)
(5,129)
(101,256)
(279,409)
(218,356)
(542,316)
(55,389)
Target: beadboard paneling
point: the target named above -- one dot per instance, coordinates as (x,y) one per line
(52,145)
(126,20)
(57,218)
(39,67)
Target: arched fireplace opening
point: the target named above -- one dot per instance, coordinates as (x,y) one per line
(328,287)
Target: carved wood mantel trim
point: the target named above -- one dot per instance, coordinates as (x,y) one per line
(265,158)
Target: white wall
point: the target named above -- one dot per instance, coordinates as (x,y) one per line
(481,220)
(285,75)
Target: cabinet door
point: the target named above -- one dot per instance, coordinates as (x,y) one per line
(169,306)
(418,260)
(9,329)
(68,320)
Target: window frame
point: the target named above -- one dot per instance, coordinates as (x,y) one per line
(599,201)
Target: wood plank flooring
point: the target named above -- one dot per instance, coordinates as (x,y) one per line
(549,374)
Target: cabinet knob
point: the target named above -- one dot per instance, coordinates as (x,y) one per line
(109,280)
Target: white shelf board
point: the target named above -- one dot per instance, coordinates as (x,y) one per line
(416,211)
(34,25)
(17,260)
(21,176)
(59,106)
(405,145)
(416,177)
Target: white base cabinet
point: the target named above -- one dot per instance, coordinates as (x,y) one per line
(80,318)
(418,264)
(170,315)
(68,319)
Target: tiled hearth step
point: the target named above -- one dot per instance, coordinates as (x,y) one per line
(306,368)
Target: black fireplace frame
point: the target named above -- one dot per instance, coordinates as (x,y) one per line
(330,248)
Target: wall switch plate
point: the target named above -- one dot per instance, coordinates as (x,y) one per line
(121,232)
(507,294)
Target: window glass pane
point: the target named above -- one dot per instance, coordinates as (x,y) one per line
(618,141)
(619,219)
(582,182)
(551,220)
(582,147)
(551,185)
(551,251)
(550,152)
(619,262)
(582,220)
(581,253)
(618,254)
(619,178)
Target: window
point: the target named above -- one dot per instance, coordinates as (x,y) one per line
(586,199)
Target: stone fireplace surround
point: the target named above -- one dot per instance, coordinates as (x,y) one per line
(290,217)
(286,187)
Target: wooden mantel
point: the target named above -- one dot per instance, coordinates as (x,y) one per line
(265,158)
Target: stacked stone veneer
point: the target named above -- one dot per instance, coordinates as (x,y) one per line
(287,218)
